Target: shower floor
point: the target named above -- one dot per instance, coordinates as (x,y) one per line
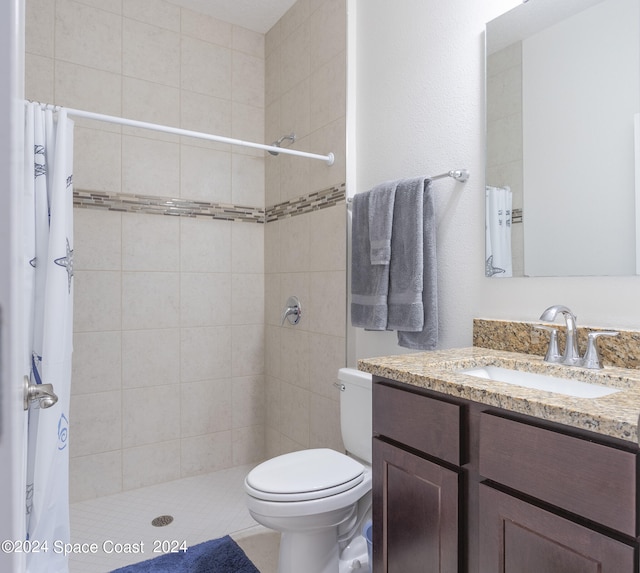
(203,507)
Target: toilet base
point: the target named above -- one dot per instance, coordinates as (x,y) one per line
(317,552)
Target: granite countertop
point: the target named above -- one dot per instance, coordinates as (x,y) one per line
(615,415)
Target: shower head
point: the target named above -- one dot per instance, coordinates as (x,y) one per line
(291,137)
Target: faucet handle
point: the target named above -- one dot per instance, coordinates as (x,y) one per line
(553,354)
(591,357)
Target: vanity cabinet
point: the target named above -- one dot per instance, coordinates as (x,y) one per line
(417,482)
(463,487)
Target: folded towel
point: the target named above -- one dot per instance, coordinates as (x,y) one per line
(369,282)
(427,338)
(406,312)
(381,203)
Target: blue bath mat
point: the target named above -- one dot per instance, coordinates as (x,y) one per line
(217,556)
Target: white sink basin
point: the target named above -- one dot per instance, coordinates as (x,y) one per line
(574,388)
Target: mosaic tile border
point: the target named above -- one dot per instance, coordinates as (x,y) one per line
(307,203)
(150,204)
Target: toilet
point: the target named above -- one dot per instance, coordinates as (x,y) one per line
(319,499)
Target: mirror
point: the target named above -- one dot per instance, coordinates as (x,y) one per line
(563,134)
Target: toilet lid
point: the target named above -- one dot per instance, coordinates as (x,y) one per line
(304,475)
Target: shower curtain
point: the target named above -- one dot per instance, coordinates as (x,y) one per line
(48,269)
(498,203)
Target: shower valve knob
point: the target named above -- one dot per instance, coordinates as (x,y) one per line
(43,393)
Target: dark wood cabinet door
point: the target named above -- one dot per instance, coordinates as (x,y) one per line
(517,537)
(415,513)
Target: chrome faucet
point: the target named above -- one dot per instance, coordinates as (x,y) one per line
(571,356)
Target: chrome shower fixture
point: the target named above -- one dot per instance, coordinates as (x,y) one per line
(291,137)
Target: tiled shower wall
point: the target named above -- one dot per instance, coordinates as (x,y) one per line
(171,347)
(305,255)
(169,312)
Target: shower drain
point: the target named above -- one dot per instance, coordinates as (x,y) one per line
(162,520)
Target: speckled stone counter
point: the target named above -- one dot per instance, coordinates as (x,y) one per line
(615,415)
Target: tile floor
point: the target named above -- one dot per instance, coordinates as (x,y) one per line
(203,507)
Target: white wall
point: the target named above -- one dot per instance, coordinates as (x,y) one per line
(419,68)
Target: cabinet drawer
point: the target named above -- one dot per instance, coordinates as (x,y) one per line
(426,424)
(589,479)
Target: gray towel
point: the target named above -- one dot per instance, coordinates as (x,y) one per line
(427,339)
(369,282)
(406,267)
(381,203)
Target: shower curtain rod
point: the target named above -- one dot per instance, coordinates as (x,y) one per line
(329,158)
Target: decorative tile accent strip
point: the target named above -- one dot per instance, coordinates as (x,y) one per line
(622,351)
(306,203)
(149,204)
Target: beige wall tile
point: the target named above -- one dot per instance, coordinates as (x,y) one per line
(248,444)
(102,412)
(150,464)
(149,101)
(205,246)
(205,353)
(97,240)
(206,68)
(96,160)
(248,398)
(207,28)
(327,308)
(150,53)
(205,299)
(247,350)
(89,89)
(272,359)
(150,300)
(150,243)
(295,115)
(294,58)
(328,32)
(38,78)
(326,357)
(294,355)
(328,239)
(247,123)
(95,475)
(88,36)
(40,25)
(150,167)
(247,248)
(154,12)
(206,114)
(205,407)
(328,92)
(208,453)
(205,174)
(247,299)
(150,417)
(150,358)
(248,79)
(294,244)
(97,363)
(97,301)
(324,424)
(247,180)
(248,41)
(294,418)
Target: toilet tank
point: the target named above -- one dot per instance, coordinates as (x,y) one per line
(355,412)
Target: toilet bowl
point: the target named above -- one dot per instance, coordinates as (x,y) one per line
(319,499)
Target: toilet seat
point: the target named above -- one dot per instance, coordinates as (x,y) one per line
(304,475)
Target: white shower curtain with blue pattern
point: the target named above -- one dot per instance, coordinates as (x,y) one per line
(48,268)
